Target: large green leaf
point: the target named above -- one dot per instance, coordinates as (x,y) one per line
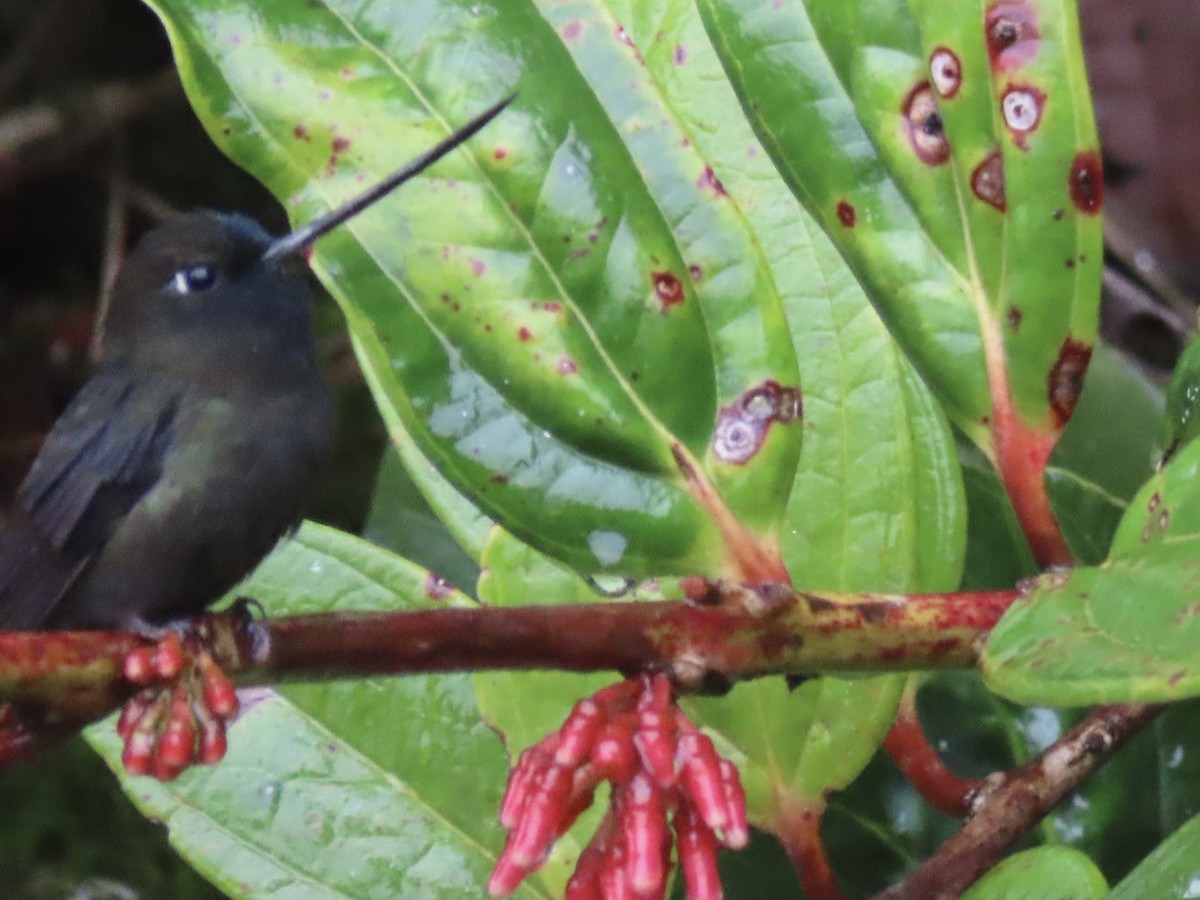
(979,242)
(1125,630)
(373,788)
(516,307)
(1170,871)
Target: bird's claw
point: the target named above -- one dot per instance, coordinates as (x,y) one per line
(633,735)
(179,716)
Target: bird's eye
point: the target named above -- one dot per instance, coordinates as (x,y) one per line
(193,278)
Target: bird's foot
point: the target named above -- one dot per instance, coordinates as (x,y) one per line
(179,716)
(660,765)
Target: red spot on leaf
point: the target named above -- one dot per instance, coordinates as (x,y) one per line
(923,123)
(1014,317)
(346,73)
(622,36)
(477,266)
(1087,183)
(572,30)
(552,306)
(301,133)
(1066,378)
(668,289)
(499,153)
(524,333)
(340,144)
(1012,34)
(987,181)
(709,181)
(696,272)
(681,55)
(567,366)
(846,213)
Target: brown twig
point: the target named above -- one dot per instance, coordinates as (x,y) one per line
(1011,803)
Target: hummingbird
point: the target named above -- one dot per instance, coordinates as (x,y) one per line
(194,446)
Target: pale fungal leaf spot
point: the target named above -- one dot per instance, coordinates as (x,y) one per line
(946,72)
(1021,109)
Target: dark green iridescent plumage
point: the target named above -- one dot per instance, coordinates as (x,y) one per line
(190,452)
(193,448)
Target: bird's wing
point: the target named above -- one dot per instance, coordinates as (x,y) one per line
(101,457)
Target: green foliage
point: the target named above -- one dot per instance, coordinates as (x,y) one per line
(689,204)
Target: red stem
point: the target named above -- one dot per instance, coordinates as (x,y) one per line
(909,747)
(1021,456)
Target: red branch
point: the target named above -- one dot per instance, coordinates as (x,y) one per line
(747,634)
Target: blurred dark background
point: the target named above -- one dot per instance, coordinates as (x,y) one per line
(97,143)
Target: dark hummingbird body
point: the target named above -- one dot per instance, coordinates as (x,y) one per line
(195,445)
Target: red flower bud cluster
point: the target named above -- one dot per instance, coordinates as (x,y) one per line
(661,767)
(179,718)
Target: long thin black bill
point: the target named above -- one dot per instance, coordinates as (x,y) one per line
(302,238)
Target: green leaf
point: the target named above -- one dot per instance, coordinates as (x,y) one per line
(510,306)
(1088,514)
(1043,873)
(1126,631)
(1182,420)
(841,98)
(402,521)
(378,787)
(1170,871)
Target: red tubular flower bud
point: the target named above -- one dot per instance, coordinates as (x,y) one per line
(584,883)
(643,826)
(137,757)
(578,733)
(697,855)
(524,775)
(655,743)
(539,822)
(167,658)
(613,754)
(139,666)
(506,876)
(212,743)
(737,830)
(220,696)
(614,882)
(700,776)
